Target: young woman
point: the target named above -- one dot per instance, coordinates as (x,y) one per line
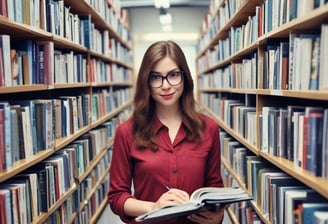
(167,149)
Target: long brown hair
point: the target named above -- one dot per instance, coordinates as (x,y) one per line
(144,104)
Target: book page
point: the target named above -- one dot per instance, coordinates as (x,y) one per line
(169,210)
(218,194)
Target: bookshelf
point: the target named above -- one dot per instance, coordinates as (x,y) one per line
(66,82)
(258,61)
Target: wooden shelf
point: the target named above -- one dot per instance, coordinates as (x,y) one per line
(20,32)
(311,22)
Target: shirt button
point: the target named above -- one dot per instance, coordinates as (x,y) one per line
(174,171)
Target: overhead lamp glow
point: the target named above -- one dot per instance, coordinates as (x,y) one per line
(167,28)
(162,3)
(165,19)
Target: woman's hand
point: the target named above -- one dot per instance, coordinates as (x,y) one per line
(172,197)
(209,216)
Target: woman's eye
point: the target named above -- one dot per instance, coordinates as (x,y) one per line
(155,77)
(173,74)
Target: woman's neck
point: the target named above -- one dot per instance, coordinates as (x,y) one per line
(168,114)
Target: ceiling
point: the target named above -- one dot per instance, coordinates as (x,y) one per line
(173,3)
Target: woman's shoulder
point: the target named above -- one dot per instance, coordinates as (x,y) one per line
(125,125)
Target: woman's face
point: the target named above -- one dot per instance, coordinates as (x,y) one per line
(166,94)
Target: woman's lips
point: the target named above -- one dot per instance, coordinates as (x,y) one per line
(167,96)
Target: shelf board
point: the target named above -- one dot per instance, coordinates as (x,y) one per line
(317,183)
(24,164)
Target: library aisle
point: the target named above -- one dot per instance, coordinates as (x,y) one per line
(67,78)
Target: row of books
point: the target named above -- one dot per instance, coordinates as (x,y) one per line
(57,17)
(104,72)
(295,63)
(26,128)
(235,114)
(219,78)
(216,19)
(236,39)
(235,154)
(118,51)
(105,101)
(37,123)
(37,62)
(94,189)
(243,75)
(54,177)
(267,16)
(243,211)
(67,212)
(70,67)
(280,197)
(298,133)
(29,62)
(29,194)
(115,16)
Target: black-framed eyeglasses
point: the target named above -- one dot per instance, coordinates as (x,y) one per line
(173,78)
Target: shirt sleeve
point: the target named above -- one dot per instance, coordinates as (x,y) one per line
(120,172)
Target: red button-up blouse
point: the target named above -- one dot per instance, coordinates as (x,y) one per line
(182,164)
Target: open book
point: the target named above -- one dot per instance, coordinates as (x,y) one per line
(208,197)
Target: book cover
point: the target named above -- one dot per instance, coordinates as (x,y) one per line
(265,128)
(262,193)
(20,205)
(323,78)
(5,206)
(27,131)
(14,133)
(19,135)
(273,131)
(290,129)
(321,217)
(25,195)
(314,147)
(284,51)
(3,8)
(5,106)
(2,141)
(2,78)
(324,159)
(307,42)
(282,133)
(308,210)
(291,64)
(32,179)
(203,197)
(315,65)
(5,43)
(281,196)
(289,197)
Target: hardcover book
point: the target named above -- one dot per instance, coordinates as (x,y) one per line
(207,197)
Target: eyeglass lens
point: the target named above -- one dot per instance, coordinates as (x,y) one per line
(173,78)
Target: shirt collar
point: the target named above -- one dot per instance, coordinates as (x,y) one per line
(157,124)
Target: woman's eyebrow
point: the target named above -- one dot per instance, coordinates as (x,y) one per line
(158,73)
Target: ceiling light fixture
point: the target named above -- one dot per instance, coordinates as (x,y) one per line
(162,4)
(165,18)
